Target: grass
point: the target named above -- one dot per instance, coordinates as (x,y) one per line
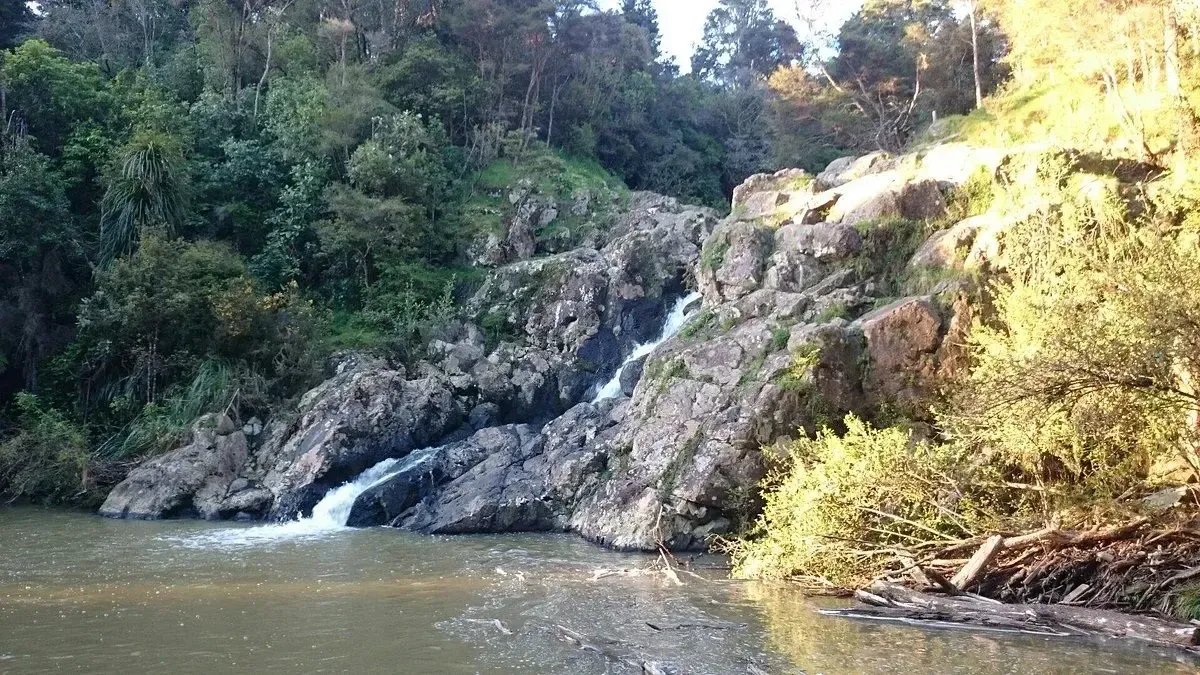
(1064,113)
(837,310)
(714,254)
(554,176)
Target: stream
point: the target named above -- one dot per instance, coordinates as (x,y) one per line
(85,594)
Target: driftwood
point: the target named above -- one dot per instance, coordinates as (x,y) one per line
(890,602)
(978,563)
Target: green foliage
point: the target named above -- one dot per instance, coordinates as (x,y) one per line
(699,327)
(887,247)
(1084,379)
(837,310)
(157,315)
(148,191)
(779,337)
(835,506)
(714,254)
(55,94)
(46,459)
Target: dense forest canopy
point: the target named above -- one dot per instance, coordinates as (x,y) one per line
(201,200)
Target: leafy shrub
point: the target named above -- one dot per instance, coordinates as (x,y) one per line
(1086,377)
(46,459)
(837,507)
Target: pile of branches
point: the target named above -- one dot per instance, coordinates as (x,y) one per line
(1138,566)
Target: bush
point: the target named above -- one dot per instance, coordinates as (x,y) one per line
(158,316)
(1086,377)
(837,508)
(46,459)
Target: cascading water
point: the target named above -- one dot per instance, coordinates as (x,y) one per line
(329,515)
(675,321)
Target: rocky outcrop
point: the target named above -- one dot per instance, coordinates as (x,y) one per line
(365,413)
(190,480)
(493,431)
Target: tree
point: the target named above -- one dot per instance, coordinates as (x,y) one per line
(642,14)
(148,191)
(744,42)
(16,21)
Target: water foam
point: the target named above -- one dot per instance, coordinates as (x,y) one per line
(675,321)
(328,516)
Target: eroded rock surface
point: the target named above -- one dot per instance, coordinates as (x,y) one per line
(494,429)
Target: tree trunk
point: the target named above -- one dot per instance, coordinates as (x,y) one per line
(1171,49)
(975,56)
(266,69)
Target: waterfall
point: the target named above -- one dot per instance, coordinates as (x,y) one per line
(332,512)
(675,320)
(329,515)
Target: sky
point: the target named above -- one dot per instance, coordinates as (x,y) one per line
(681,22)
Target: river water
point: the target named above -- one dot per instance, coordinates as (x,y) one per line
(84,594)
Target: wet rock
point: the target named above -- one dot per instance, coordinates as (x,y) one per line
(364,414)
(631,374)
(186,480)
(504,479)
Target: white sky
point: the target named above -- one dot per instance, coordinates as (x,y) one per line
(681,22)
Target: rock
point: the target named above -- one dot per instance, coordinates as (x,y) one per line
(253,427)
(868,199)
(846,169)
(735,258)
(902,341)
(581,200)
(1164,499)
(484,415)
(631,374)
(823,241)
(948,248)
(364,414)
(922,200)
(504,479)
(762,195)
(252,501)
(521,242)
(692,438)
(186,480)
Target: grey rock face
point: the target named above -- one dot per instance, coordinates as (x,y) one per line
(190,480)
(490,427)
(364,414)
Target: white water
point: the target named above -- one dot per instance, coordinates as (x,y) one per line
(675,321)
(328,516)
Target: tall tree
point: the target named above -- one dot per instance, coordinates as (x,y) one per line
(744,42)
(16,21)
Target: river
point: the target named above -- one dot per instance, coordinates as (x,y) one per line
(85,594)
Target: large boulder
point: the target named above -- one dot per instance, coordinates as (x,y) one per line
(365,413)
(190,480)
(734,260)
(690,446)
(514,478)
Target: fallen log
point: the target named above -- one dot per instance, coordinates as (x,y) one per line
(978,563)
(891,602)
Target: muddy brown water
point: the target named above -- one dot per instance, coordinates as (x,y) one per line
(79,593)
